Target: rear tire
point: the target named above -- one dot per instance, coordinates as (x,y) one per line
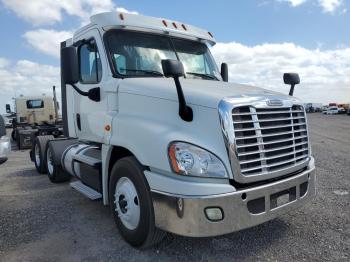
(13,135)
(54,168)
(129,194)
(39,153)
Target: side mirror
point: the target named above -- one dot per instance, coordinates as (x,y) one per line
(8,108)
(224,72)
(69,65)
(175,69)
(291,79)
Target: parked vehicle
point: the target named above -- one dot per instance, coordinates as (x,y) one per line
(8,118)
(34,116)
(153,128)
(5,143)
(341,110)
(332,110)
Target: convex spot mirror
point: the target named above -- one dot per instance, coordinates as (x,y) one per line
(173,68)
(291,79)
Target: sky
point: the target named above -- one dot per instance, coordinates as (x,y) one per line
(260,40)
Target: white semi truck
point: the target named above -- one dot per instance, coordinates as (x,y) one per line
(153,128)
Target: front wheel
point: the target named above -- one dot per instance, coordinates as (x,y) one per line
(131,204)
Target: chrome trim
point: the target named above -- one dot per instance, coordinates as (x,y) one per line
(191,221)
(226,114)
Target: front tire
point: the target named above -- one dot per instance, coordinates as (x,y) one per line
(131,204)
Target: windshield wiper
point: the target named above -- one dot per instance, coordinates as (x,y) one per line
(207,76)
(149,72)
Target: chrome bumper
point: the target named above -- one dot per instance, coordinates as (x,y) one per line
(185,216)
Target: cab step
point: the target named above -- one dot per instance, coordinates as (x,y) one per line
(85,190)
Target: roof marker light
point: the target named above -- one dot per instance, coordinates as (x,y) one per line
(165,23)
(184,27)
(121,16)
(211,35)
(174,25)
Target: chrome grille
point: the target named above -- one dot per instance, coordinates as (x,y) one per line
(270,139)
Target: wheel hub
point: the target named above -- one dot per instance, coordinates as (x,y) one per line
(127,203)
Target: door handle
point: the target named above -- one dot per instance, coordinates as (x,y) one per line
(78,121)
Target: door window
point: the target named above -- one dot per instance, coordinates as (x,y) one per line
(90,64)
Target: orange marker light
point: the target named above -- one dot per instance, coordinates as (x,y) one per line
(121,16)
(210,34)
(165,23)
(184,27)
(107,128)
(172,156)
(174,25)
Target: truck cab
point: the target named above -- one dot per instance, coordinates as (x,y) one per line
(34,110)
(153,128)
(33,116)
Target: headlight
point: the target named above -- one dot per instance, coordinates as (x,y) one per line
(187,159)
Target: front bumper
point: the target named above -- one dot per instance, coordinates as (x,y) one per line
(241,209)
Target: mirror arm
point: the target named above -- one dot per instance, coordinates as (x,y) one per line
(291,91)
(93,93)
(185,111)
(83,93)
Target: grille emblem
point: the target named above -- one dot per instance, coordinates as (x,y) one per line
(274,102)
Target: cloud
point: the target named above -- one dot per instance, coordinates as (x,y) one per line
(47,41)
(27,78)
(325,74)
(49,12)
(329,6)
(123,10)
(294,2)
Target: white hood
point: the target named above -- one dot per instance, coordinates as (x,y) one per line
(206,93)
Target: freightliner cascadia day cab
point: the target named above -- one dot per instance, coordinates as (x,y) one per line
(153,128)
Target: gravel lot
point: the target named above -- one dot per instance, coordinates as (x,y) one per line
(41,221)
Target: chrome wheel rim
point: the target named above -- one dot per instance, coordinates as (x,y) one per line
(37,155)
(127,203)
(49,162)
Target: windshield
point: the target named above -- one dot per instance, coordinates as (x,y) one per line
(136,54)
(34,104)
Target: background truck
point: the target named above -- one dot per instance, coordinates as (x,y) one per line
(153,128)
(33,116)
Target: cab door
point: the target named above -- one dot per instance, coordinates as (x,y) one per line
(89,115)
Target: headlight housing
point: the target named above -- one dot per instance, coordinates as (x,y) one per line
(191,160)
